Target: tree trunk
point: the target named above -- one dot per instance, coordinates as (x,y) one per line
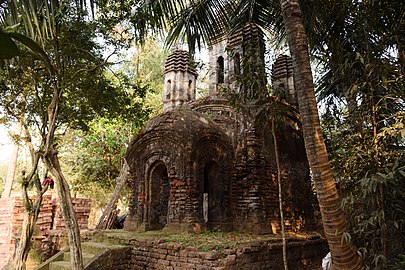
(108,212)
(24,243)
(31,213)
(344,253)
(280,197)
(52,163)
(30,219)
(11,167)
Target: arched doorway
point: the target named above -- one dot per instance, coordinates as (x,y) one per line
(236,64)
(213,195)
(220,70)
(158,197)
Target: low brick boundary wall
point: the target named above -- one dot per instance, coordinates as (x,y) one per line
(10,217)
(155,253)
(253,256)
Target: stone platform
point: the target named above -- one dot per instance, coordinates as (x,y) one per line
(215,250)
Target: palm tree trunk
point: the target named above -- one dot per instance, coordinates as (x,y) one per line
(344,253)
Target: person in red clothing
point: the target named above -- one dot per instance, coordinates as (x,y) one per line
(49,181)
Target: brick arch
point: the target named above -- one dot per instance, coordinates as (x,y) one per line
(156,145)
(145,155)
(157,193)
(212,168)
(175,138)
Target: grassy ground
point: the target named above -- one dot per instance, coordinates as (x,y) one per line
(206,241)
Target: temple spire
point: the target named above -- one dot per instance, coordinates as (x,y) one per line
(180,78)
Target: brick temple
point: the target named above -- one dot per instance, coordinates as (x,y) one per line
(202,164)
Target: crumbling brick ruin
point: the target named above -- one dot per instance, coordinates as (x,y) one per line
(50,226)
(202,164)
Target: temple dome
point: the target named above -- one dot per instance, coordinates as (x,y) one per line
(185,127)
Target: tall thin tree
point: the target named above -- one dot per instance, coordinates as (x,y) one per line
(344,253)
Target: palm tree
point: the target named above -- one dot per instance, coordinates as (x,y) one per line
(359,59)
(344,253)
(197,23)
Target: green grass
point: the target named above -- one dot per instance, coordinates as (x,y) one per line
(214,241)
(204,242)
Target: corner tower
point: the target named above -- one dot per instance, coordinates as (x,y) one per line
(232,56)
(282,79)
(180,78)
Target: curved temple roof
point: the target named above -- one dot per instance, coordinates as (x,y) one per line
(179,60)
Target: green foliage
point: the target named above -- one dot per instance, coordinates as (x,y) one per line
(69,90)
(372,182)
(93,159)
(191,21)
(369,158)
(89,92)
(363,91)
(146,69)
(86,90)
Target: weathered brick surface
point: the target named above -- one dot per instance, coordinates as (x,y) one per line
(9,215)
(82,209)
(209,148)
(49,232)
(205,164)
(266,254)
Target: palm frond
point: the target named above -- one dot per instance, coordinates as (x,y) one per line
(201,22)
(8,49)
(264,13)
(34,48)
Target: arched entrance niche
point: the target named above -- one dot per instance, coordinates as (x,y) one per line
(158,196)
(220,70)
(213,195)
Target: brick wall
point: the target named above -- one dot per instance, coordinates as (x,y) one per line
(255,255)
(49,226)
(82,209)
(9,218)
(153,252)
